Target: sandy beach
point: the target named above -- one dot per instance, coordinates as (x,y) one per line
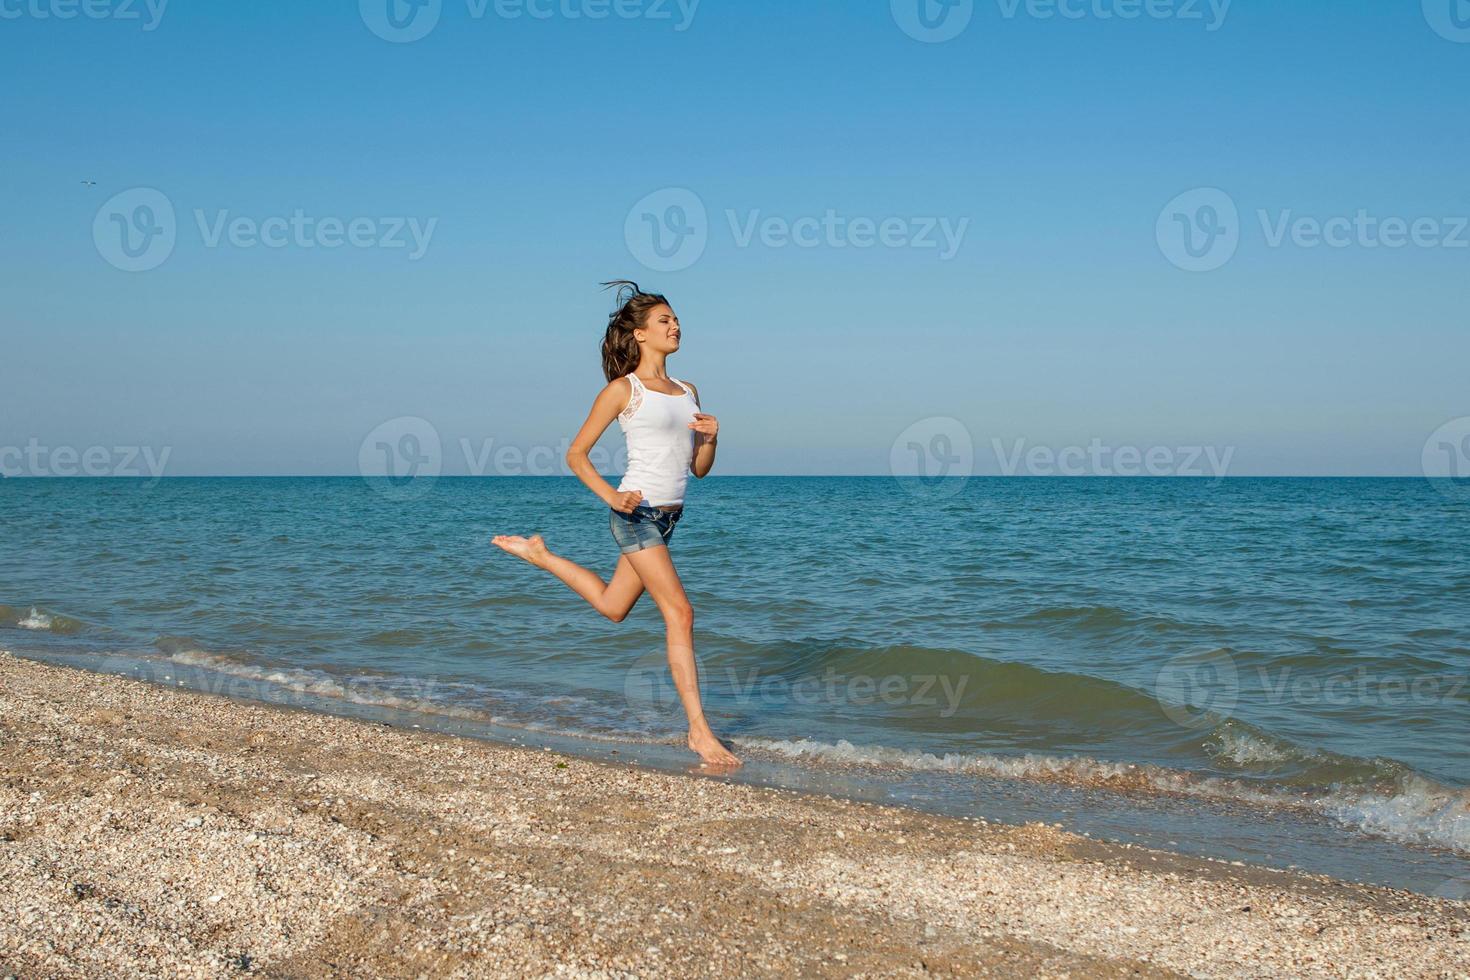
(153,830)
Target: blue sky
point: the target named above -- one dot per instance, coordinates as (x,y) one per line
(521,146)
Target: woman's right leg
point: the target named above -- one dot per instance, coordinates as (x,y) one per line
(614,599)
(656,568)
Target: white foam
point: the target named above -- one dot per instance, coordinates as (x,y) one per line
(1421,812)
(303,681)
(36,620)
(1246,748)
(1027,766)
(1418,811)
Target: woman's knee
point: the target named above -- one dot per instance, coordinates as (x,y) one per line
(678,613)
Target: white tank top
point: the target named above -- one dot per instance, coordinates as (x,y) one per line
(660,443)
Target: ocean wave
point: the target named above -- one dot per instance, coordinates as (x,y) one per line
(38,620)
(1411,808)
(1420,810)
(946,690)
(555,713)
(398,693)
(35,620)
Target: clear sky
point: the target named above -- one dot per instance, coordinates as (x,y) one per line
(871,218)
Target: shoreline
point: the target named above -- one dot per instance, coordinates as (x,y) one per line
(150,829)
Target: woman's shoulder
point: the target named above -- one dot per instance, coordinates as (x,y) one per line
(618,394)
(620,387)
(624,394)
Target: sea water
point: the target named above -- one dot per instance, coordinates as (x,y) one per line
(1268,670)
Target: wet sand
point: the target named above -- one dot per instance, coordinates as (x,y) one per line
(153,830)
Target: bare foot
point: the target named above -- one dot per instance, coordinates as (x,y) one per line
(711,751)
(532,549)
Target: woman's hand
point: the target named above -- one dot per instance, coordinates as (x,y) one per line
(707,426)
(626,501)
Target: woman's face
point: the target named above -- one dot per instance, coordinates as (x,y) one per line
(660,331)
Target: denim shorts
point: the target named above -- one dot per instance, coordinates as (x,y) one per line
(646,527)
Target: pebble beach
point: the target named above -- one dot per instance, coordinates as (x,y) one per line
(150,830)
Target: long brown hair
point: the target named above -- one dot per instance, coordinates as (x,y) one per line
(620,355)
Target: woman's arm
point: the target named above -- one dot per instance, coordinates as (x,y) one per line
(706,439)
(609,404)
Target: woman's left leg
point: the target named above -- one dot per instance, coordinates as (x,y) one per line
(656,568)
(614,599)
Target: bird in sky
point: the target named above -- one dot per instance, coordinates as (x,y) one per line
(89,183)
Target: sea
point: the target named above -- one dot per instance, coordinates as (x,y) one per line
(1267,671)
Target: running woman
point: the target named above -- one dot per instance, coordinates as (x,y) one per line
(668,438)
